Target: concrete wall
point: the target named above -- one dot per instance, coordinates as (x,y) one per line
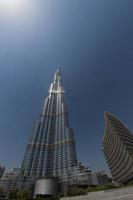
(125,193)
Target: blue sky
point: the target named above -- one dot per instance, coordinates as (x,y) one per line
(92,40)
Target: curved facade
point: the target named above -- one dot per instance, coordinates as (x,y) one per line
(117,146)
(47,187)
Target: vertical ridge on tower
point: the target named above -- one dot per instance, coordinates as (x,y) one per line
(51,148)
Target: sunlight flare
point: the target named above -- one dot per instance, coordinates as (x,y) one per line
(12,5)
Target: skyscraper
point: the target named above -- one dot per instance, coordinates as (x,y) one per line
(118,148)
(51,148)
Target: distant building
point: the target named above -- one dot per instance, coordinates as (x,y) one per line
(117,146)
(14,179)
(2,169)
(102,178)
(80,175)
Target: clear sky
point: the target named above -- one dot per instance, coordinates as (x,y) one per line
(92,40)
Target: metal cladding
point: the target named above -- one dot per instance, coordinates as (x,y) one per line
(51,148)
(118,149)
(46,187)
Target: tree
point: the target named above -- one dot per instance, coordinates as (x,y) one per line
(23,194)
(75,190)
(13,193)
(1,190)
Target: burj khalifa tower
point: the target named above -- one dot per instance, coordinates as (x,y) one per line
(51,147)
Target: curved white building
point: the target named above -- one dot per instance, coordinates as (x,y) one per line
(117,146)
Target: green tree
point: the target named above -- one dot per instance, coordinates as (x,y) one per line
(23,195)
(1,190)
(75,190)
(13,193)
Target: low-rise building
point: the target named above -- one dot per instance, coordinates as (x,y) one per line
(15,180)
(2,169)
(102,178)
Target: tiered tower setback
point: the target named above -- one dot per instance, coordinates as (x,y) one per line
(51,148)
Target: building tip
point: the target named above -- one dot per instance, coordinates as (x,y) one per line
(106,113)
(57,73)
(59,67)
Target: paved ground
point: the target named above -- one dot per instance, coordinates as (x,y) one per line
(125,193)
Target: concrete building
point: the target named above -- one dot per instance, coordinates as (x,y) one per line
(14,179)
(102,178)
(117,146)
(2,169)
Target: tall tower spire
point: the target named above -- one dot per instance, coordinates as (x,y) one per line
(51,148)
(57,74)
(57,85)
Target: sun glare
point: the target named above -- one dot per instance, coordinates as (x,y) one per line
(11,5)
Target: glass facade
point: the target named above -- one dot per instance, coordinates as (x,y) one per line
(51,148)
